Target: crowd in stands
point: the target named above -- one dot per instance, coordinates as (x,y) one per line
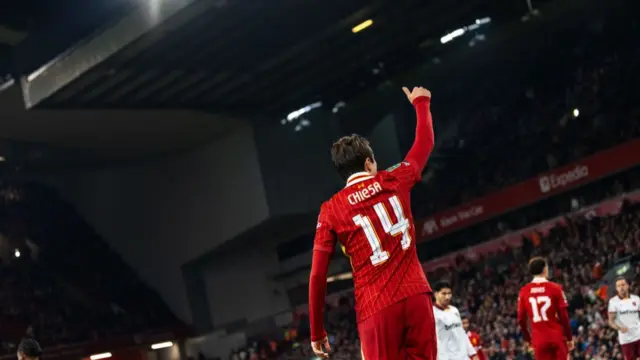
(60,279)
(486,288)
(524,122)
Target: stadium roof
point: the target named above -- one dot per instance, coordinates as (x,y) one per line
(226,59)
(249,57)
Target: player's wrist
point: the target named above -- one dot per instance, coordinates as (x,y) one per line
(319,336)
(421,99)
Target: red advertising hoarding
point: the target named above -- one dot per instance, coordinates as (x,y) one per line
(514,239)
(562,179)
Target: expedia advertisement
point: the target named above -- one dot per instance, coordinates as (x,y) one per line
(591,168)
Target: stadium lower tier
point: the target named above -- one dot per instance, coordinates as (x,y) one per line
(580,248)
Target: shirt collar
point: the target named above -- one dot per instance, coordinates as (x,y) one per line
(358,177)
(538,280)
(440,307)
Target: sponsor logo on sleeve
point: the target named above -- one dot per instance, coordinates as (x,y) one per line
(394,167)
(404,163)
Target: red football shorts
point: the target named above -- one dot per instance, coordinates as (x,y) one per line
(404,330)
(631,351)
(551,351)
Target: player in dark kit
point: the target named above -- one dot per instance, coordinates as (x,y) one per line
(542,306)
(371,218)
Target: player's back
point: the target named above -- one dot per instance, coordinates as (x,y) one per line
(374,225)
(542,301)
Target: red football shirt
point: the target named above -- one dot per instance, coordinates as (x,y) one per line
(542,306)
(475,340)
(371,218)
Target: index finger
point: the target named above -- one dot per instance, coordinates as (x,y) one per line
(406,91)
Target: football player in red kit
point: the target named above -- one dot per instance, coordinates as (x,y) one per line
(474,338)
(371,218)
(542,306)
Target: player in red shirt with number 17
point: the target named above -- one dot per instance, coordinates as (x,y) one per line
(542,306)
(371,218)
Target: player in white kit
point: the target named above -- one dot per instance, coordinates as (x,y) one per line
(453,342)
(624,317)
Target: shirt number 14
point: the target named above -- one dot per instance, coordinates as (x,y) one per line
(379,256)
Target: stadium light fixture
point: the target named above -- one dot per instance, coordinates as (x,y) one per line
(17,253)
(363,25)
(576,113)
(101,356)
(339,277)
(162,345)
(2,159)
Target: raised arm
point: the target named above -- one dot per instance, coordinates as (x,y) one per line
(424,140)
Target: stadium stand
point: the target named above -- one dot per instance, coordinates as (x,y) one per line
(44,245)
(534,116)
(564,110)
(486,284)
(60,281)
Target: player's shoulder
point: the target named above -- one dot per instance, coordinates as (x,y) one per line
(553,285)
(525,288)
(396,170)
(613,301)
(327,205)
(327,211)
(453,310)
(634,298)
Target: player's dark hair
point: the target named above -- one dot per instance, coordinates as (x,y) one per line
(30,348)
(349,154)
(537,265)
(442,284)
(621,278)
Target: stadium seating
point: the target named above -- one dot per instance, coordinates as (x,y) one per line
(487,288)
(44,243)
(516,124)
(523,121)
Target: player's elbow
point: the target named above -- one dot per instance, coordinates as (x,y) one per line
(316,279)
(431,142)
